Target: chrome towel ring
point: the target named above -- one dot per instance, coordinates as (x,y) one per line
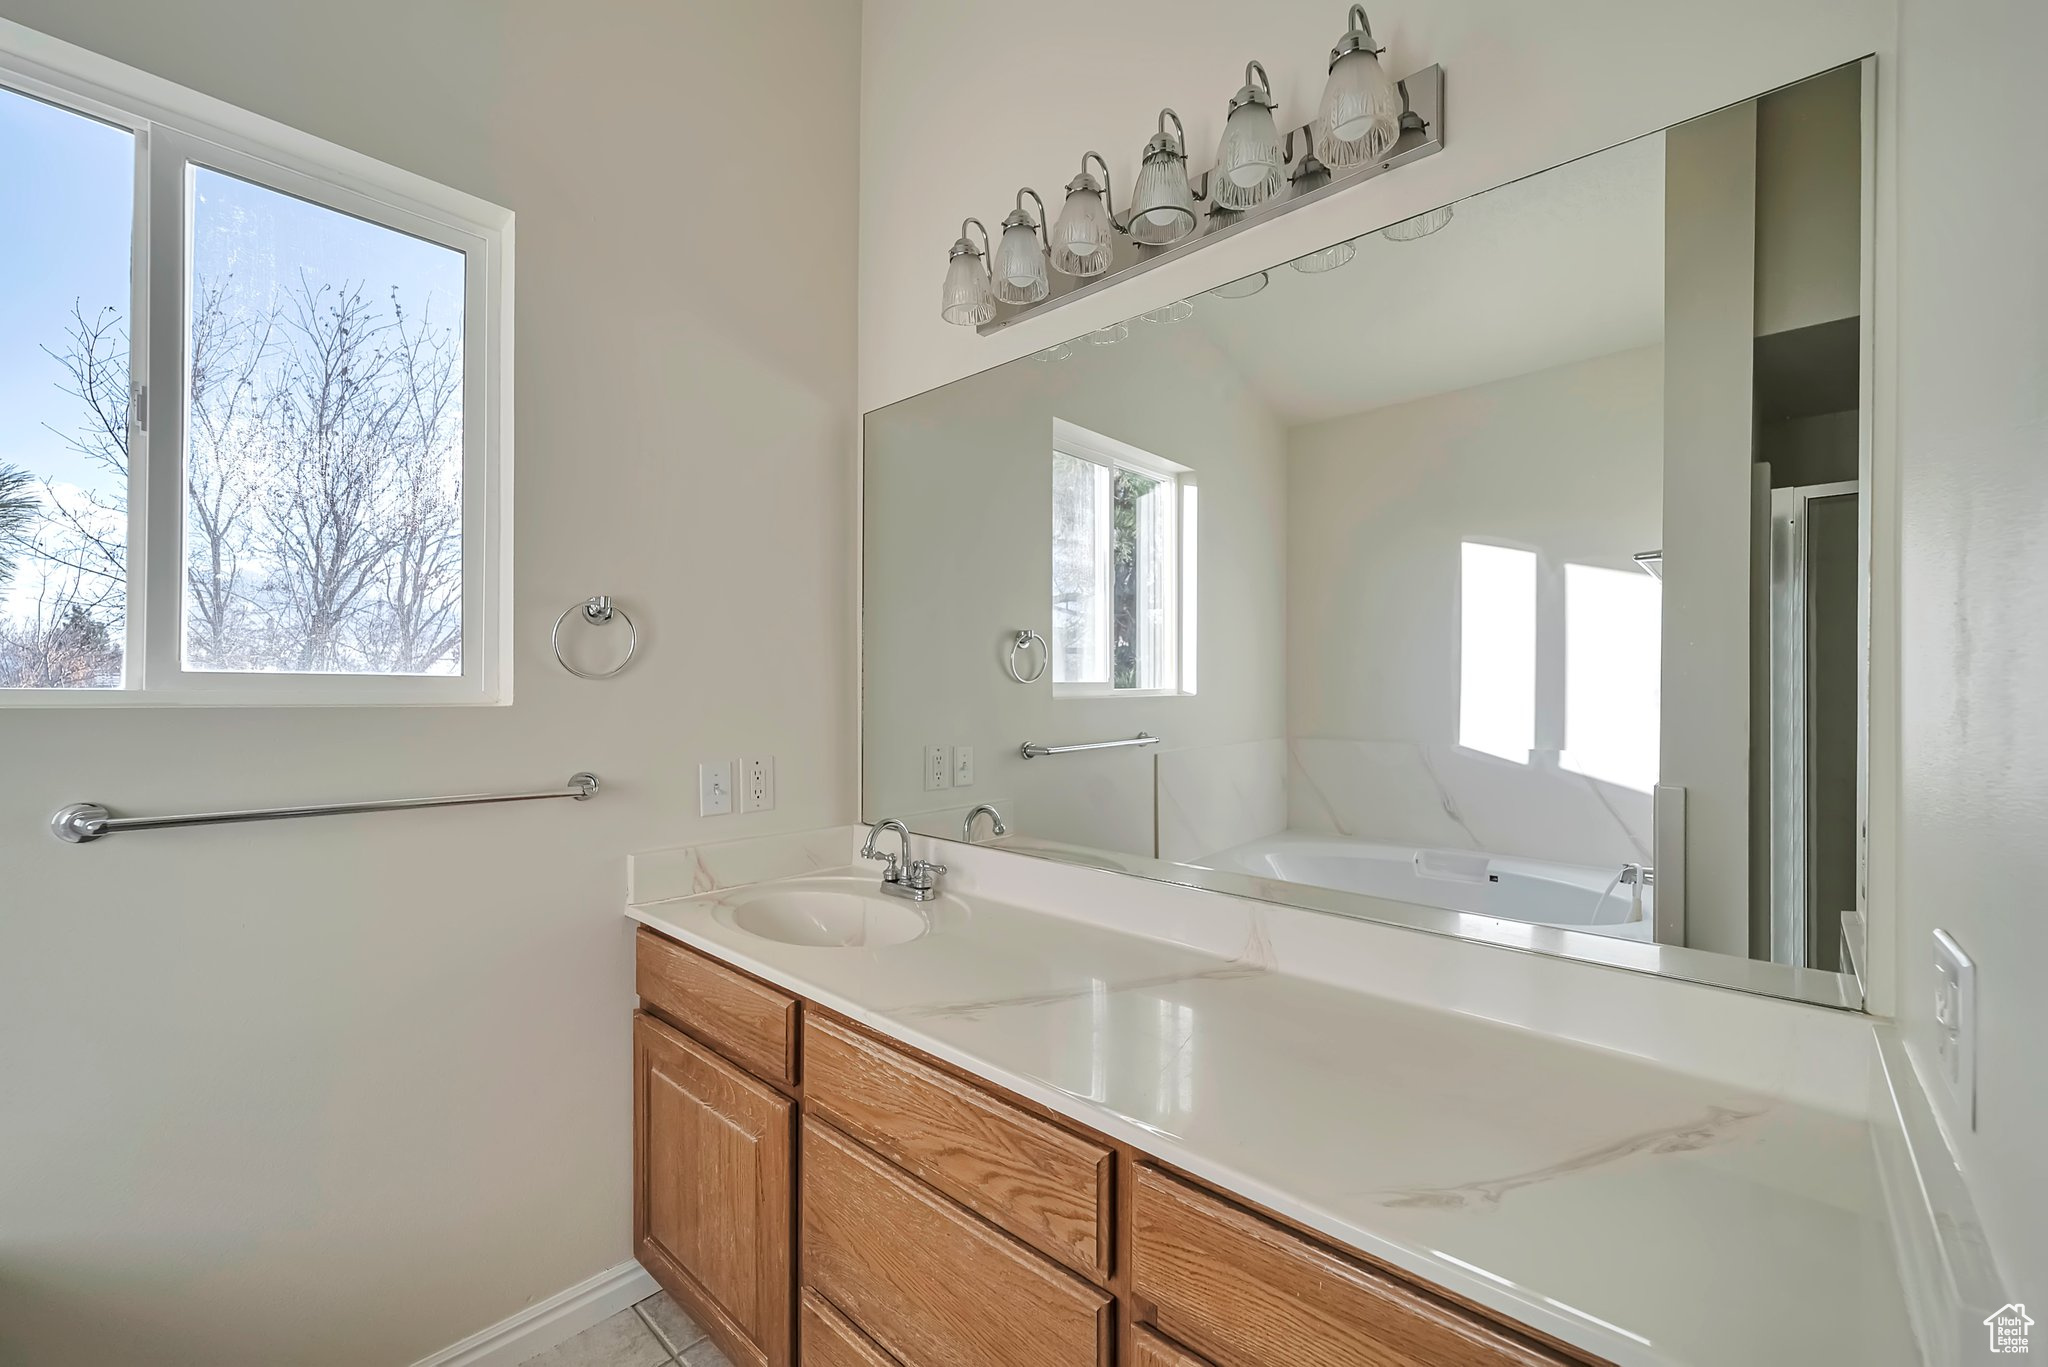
(597,611)
(1023,641)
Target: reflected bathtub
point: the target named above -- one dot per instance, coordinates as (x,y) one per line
(1569,896)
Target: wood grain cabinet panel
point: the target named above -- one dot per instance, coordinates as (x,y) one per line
(930,1282)
(826,1338)
(1048,1187)
(712,1188)
(1245,1292)
(1150,1350)
(749,1022)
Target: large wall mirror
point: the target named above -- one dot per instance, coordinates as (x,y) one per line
(1499,572)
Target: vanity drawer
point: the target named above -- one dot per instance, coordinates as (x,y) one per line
(1245,1292)
(749,1022)
(1048,1187)
(930,1282)
(827,1338)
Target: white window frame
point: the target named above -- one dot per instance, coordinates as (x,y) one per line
(1079,443)
(176,129)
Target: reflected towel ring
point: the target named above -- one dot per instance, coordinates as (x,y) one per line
(596,611)
(1024,639)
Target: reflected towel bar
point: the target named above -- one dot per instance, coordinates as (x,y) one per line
(82,822)
(1032,751)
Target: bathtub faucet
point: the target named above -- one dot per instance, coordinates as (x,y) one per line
(1642,875)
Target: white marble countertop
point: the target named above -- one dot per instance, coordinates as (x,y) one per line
(1643,1215)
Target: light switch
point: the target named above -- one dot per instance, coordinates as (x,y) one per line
(1955,1023)
(963,766)
(714,788)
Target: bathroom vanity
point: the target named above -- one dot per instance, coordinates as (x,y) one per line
(813,1192)
(1060,1125)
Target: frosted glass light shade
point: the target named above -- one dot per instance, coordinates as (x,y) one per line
(967,301)
(1248,161)
(1420,226)
(1328,259)
(1082,241)
(1360,118)
(1163,204)
(1020,276)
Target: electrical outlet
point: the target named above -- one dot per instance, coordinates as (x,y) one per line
(1955,1023)
(757,784)
(714,788)
(938,768)
(963,766)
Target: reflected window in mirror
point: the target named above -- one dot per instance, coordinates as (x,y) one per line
(1613,635)
(1497,650)
(1122,565)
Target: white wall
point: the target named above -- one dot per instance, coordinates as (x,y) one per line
(1972,414)
(961,104)
(958,545)
(343,1092)
(1566,461)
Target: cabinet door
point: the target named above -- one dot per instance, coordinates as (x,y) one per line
(712,1181)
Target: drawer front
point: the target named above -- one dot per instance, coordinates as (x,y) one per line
(749,1022)
(827,1338)
(929,1282)
(1150,1350)
(1244,1292)
(1048,1187)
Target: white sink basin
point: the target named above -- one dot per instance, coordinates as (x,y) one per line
(826,916)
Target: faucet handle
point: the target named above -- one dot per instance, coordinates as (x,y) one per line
(924,875)
(890,871)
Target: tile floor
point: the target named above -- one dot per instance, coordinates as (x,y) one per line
(654,1333)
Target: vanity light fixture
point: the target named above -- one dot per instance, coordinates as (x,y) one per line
(968,300)
(1163,203)
(1179,311)
(1249,160)
(1420,226)
(1020,276)
(1111,335)
(1244,287)
(1310,175)
(1328,259)
(1084,238)
(1360,117)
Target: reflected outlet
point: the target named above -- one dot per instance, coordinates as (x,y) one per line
(1955,1023)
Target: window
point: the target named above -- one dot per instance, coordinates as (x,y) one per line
(1497,650)
(252,408)
(1122,568)
(1612,648)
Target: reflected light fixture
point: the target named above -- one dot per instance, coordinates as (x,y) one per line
(1360,117)
(1328,259)
(1309,176)
(1084,238)
(1179,311)
(968,300)
(1020,275)
(1163,204)
(1244,287)
(1248,160)
(1111,335)
(1422,225)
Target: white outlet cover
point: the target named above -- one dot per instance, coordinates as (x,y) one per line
(714,788)
(938,768)
(757,783)
(1955,1023)
(963,766)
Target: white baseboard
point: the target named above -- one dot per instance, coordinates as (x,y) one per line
(544,1324)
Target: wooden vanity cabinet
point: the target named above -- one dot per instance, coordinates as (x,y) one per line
(945,1223)
(712,1182)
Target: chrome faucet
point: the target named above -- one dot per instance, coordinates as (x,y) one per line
(914,880)
(995,823)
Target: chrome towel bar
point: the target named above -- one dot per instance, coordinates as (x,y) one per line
(83,822)
(1031,750)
